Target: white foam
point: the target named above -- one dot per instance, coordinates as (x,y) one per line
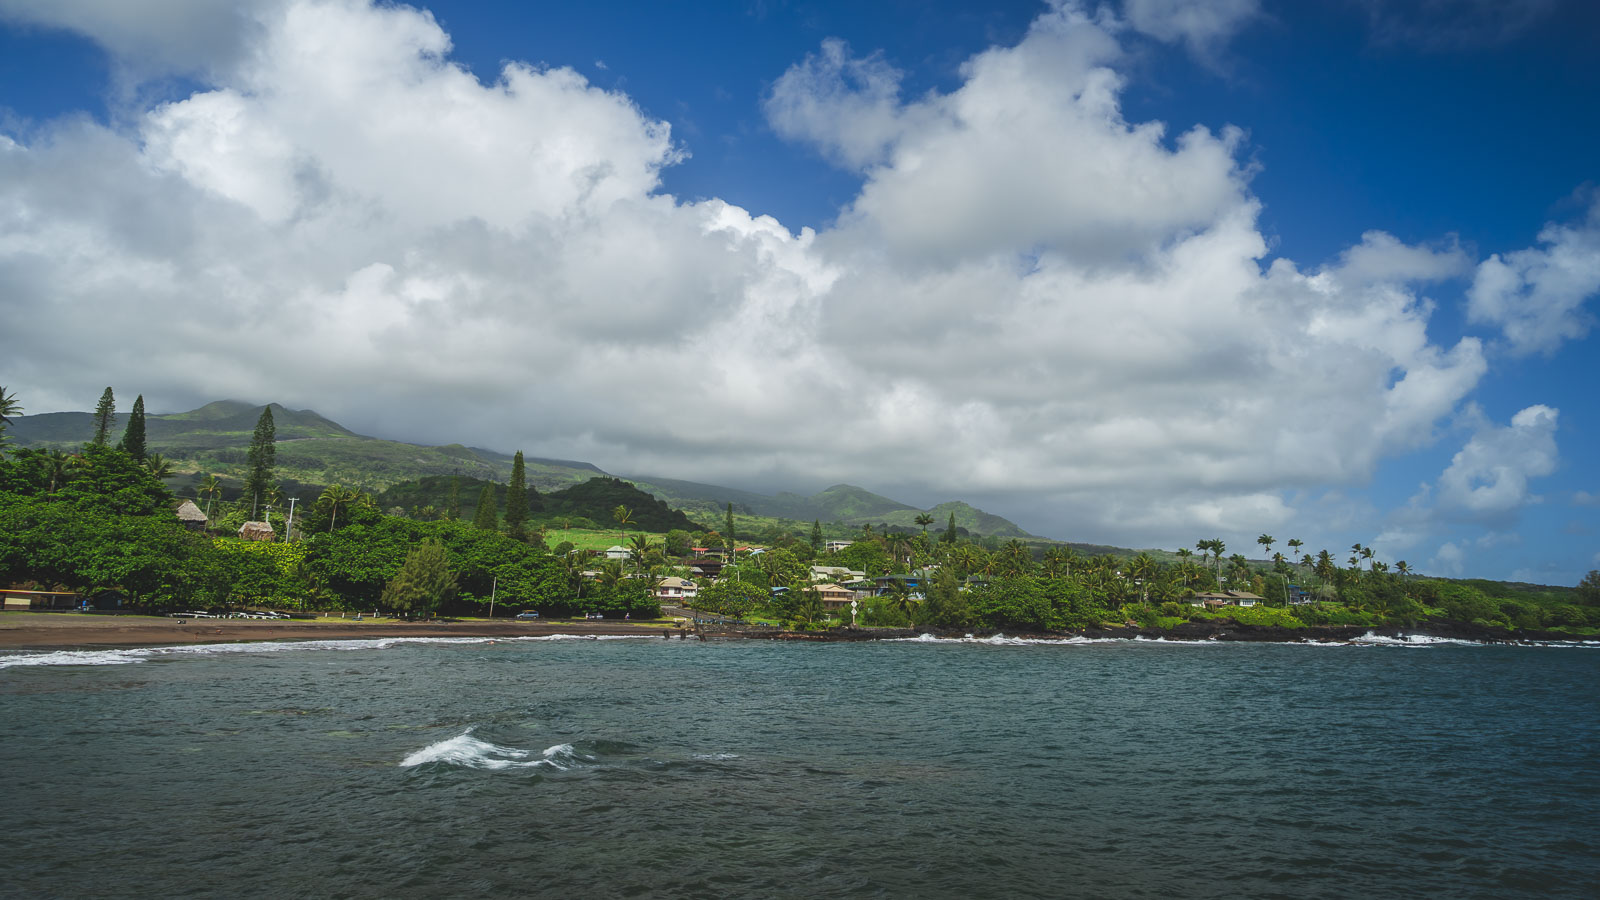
(715,757)
(468,752)
(141,654)
(1410,640)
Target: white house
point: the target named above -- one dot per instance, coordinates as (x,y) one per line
(835,573)
(673,588)
(616,553)
(836,546)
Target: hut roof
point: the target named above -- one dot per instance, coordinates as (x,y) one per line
(188,512)
(256,531)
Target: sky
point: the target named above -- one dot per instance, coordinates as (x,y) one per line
(1137,273)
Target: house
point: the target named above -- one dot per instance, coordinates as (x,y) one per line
(1299,596)
(191,516)
(835,596)
(1214,599)
(836,546)
(835,573)
(616,552)
(674,589)
(257,531)
(16,598)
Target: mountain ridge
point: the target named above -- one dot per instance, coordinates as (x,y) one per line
(315,450)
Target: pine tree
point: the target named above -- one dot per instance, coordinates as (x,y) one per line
(105,415)
(487,516)
(517,500)
(423,583)
(727,531)
(816,535)
(133,435)
(949,536)
(453,508)
(263,456)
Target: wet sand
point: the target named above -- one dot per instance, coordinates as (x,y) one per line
(64,631)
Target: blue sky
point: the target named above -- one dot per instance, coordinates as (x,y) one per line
(1457,130)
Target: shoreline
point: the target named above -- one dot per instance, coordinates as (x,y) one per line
(69,631)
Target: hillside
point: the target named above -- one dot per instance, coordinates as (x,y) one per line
(592,500)
(842,503)
(314,451)
(311,449)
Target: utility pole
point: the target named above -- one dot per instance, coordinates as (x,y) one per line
(288,528)
(495,586)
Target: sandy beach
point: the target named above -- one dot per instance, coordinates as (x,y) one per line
(59,631)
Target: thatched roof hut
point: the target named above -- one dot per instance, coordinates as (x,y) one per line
(191,516)
(257,531)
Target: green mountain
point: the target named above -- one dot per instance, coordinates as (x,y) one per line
(314,451)
(592,500)
(311,450)
(843,503)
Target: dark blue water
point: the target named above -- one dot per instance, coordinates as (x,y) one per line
(633,768)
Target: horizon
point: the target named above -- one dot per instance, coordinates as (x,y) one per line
(1123,274)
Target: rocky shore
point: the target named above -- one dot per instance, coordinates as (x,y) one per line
(69,631)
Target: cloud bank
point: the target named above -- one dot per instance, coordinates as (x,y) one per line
(1032,302)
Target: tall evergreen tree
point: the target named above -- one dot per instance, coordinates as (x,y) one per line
(727,531)
(452,510)
(487,516)
(133,435)
(517,500)
(949,536)
(105,415)
(263,456)
(816,535)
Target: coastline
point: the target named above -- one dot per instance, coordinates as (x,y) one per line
(67,631)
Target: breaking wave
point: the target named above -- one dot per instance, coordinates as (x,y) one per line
(1411,640)
(468,752)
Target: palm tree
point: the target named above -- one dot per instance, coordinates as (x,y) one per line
(1267,540)
(1366,554)
(611,573)
(8,409)
(58,465)
(211,486)
(8,406)
(1403,568)
(1294,547)
(158,467)
(624,517)
(1142,569)
(638,550)
(333,497)
(924,520)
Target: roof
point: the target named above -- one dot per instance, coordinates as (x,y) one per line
(188,512)
(261,528)
(673,581)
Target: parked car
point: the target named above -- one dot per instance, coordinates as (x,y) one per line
(527,615)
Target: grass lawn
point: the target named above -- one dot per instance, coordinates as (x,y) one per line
(591,539)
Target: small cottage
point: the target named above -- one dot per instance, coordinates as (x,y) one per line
(257,531)
(191,516)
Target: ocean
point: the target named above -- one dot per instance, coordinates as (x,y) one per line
(651,768)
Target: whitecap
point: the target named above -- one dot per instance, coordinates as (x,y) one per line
(1410,640)
(469,752)
(715,757)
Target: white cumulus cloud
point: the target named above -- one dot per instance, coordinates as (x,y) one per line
(1033,303)
(1537,296)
